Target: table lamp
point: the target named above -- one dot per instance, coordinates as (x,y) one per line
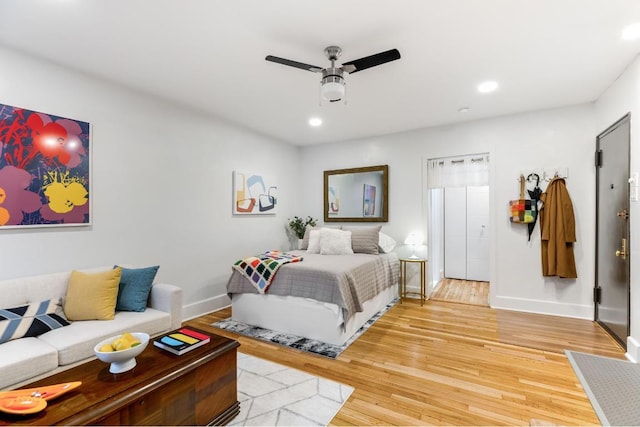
(413,239)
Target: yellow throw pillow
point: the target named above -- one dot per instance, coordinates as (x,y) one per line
(92,296)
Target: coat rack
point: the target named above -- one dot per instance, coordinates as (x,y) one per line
(544,174)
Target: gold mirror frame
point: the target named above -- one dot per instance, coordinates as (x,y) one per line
(383,217)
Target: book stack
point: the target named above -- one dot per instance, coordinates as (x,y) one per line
(181,340)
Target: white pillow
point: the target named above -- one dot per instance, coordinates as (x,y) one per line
(385,243)
(335,242)
(314,242)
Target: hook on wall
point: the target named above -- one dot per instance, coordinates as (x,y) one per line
(533,176)
(551,173)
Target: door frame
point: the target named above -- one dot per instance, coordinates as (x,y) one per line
(596,288)
(435,241)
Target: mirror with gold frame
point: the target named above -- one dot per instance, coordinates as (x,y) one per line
(357,194)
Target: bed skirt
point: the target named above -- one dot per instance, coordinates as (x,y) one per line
(305,317)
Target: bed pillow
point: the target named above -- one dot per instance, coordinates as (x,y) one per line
(134,288)
(92,296)
(31,320)
(307,233)
(314,242)
(364,240)
(386,243)
(305,240)
(335,242)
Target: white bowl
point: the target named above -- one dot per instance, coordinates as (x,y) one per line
(122,360)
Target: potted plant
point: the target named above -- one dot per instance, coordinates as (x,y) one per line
(298,225)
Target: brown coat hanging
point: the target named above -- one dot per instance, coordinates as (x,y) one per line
(557,231)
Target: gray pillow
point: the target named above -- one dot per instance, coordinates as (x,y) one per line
(305,239)
(364,240)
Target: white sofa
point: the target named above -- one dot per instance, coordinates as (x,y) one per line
(26,359)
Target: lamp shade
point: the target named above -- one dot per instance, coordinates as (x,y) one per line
(414,239)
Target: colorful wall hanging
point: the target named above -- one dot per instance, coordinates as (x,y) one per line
(253,194)
(44,169)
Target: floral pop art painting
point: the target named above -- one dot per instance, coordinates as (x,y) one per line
(44,169)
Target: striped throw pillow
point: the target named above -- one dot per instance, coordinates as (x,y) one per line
(30,320)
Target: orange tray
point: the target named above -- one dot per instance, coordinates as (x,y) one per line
(46,392)
(32,400)
(22,405)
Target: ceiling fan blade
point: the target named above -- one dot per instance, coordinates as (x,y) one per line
(370,61)
(296,64)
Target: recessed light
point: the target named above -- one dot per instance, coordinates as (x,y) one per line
(631,32)
(488,86)
(463,110)
(315,121)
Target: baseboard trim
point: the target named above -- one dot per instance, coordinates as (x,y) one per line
(200,308)
(543,307)
(633,350)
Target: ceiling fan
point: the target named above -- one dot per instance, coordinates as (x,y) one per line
(332,84)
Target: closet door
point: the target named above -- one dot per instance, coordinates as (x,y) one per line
(478,233)
(455,233)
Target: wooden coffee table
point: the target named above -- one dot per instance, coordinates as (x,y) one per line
(196,388)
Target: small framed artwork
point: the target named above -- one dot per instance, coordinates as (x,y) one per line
(44,169)
(369,200)
(254,194)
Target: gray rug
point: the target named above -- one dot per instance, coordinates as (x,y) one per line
(293,341)
(613,387)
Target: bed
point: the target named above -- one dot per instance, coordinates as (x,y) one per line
(323,297)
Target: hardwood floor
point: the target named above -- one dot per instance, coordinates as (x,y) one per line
(453,364)
(462,291)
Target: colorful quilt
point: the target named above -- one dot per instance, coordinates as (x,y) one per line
(261,269)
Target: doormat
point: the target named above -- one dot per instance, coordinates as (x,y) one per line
(271,394)
(612,385)
(293,341)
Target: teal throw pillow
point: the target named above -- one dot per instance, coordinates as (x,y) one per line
(135,286)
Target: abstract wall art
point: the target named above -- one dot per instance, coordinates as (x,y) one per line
(44,169)
(254,193)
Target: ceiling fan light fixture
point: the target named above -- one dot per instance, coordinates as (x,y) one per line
(332,85)
(332,91)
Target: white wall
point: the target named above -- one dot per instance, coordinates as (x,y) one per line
(622,97)
(547,139)
(162,186)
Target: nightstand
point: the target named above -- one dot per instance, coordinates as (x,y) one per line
(422,263)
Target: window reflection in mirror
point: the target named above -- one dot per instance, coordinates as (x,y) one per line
(356,195)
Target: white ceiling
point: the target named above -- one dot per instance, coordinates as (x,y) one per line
(209,55)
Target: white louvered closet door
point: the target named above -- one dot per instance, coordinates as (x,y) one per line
(478,233)
(466,239)
(455,233)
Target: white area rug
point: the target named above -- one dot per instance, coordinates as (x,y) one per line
(271,394)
